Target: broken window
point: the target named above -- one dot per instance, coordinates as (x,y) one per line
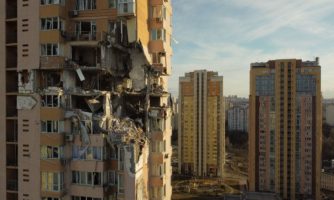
(86,4)
(52,23)
(86,56)
(52,126)
(85,30)
(51,79)
(50,101)
(50,50)
(52,152)
(52,181)
(158,58)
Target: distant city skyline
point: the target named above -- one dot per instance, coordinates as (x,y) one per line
(226,36)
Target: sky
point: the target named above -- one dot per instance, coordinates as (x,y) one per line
(227,35)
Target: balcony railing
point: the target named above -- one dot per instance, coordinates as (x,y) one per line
(83,36)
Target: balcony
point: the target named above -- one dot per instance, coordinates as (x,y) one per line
(52,62)
(83,36)
(126,8)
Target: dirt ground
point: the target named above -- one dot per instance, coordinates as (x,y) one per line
(233,181)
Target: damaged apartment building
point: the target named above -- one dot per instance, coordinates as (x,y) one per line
(85,112)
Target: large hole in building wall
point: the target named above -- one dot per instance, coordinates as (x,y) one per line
(86,56)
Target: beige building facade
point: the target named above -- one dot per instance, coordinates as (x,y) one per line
(285,128)
(327,181)
(84,106)
(201,132)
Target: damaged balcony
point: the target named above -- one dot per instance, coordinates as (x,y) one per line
(51,106)
(159,62)
(53,62)
(84,31)
(86,57)
(157,119)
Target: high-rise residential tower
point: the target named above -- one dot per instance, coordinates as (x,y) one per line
(84,107)
(201,133)
(285,128)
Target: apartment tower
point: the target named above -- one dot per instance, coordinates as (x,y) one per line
(84,107)
(285,128)
(201,133)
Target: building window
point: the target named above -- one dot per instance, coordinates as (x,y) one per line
(50,198)
(121,159)
(87,153)
(158,146)
(120,184)
(84,198)
(112,177)
(158,34)
(85,30)
(50,2)
(52,181)
(52,126)
(112,4)
(50,101)
(87,178)
(52,152)
(52,23)
(50,50)
(86,4)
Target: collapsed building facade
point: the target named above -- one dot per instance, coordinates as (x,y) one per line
(86,112)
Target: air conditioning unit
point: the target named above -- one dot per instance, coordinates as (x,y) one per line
(68,138)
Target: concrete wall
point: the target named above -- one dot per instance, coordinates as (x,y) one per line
(329,114)
(29,152)
(2,100)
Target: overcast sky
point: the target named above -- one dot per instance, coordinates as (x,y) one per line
(227,35)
